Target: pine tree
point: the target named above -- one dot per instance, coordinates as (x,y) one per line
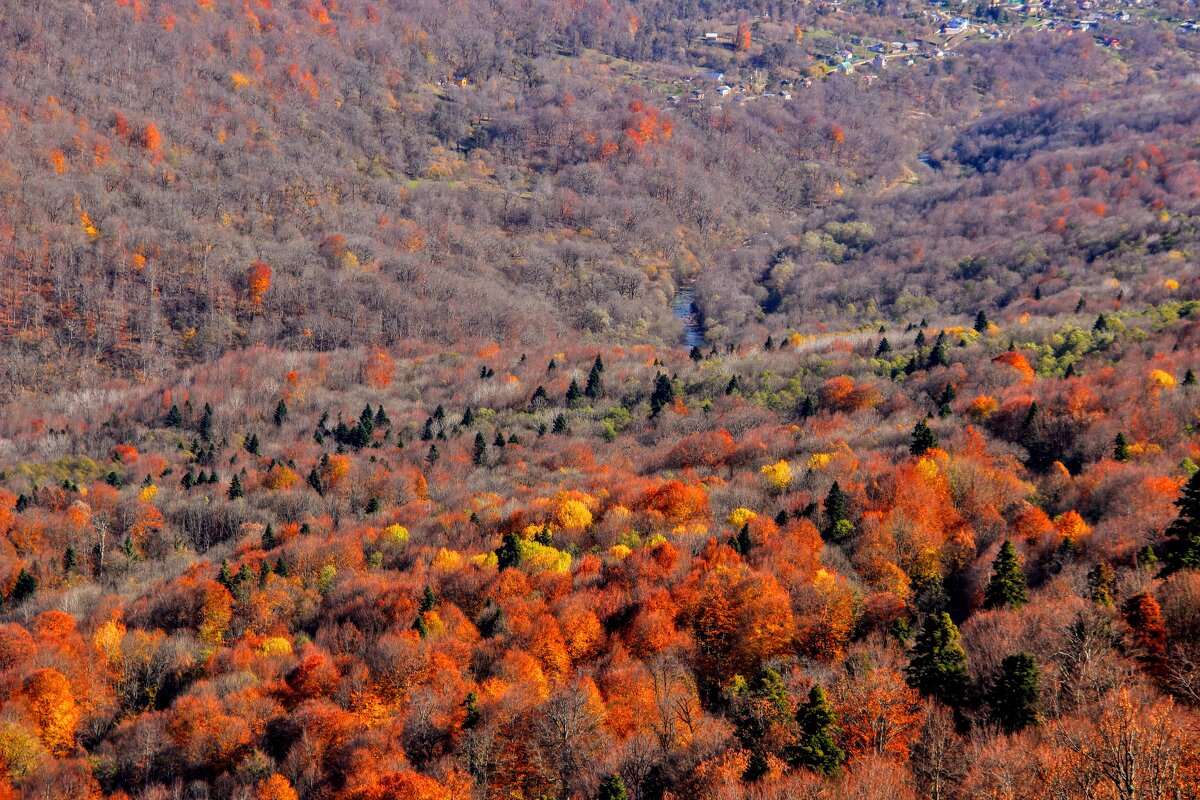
(817,747)
(382,420)
(508,554)
(70,560)
(756,768)
(480,454)
(836,505)
(595,382)
(695,354)
(206,423)
(252,445)
(468,417)
(1006,589)
(174,417)
(923,438)
(938,667)
(269,540)
(663,394)
(560,424)
(314,480)
(432,455)
(884,348)
(734,385)
(1015,696)
(613,788)
(428,601)
(573,393)
(235,489)
(225,574)
(1189,378)
(281,412)
(981,321)
(1120,448)
(1100,583)
(1182,548)
(25,587)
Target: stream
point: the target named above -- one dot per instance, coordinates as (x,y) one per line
(685,309)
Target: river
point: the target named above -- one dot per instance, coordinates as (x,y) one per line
(686,310)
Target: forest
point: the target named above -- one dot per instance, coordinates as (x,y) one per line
(483,400)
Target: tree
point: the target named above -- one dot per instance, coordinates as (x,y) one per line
(981,321)
(1100,583)
(206,423)
(174,417)
(235,490)
(595,382)
(274,787)
(1149,633)
(1006,589)
(508,554)
(25,587)
(741,39)
(817,748)
(1120,448)
(281,412)
(1015,696)
(923,438)
(1182,548)
(52,708)
(938,668)
(480,453)
(663,394)
(836,511)
(695,354)
(612,788)
(573,393)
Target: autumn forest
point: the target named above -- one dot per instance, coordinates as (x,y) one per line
(599,400)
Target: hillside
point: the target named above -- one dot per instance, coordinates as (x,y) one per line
(475,400)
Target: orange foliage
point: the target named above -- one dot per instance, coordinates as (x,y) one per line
(52,708)
(379,369)
(677,502)
(1018,362)
(258,281)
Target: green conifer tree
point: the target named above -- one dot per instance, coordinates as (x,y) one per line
(1100,583)
(1006,589)
(613,788)
(1120,448)
(1182,548)
(938,668)
(923,438)
(817,747)
(1015,696)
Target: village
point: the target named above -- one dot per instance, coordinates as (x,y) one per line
(936,33)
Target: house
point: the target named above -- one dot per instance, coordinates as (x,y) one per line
(710,37)
(711,75)
(724,90)
(957,25)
